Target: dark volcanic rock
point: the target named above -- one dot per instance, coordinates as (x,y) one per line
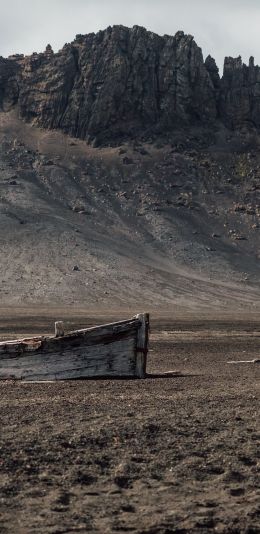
(116,82)
(240,93)
(125,82)
(9,86)
(213,71)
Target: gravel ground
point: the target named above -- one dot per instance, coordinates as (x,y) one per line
(174,453)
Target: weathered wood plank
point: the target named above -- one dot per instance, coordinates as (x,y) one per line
(101,360)
(89,335)
(237,362)
(19,346)
(142,344)
(59,329)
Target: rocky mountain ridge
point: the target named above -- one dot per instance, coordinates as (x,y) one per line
(125,82)
(129,176)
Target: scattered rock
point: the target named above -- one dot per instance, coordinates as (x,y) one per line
(85,479)
(237,492)
(127,161)
(240,237)
(239,207)
(122,481)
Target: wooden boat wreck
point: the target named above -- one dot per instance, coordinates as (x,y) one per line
(111,350)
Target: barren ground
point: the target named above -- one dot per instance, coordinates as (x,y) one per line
(169,454)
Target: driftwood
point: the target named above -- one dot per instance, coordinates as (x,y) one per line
(112,350)
(235,362)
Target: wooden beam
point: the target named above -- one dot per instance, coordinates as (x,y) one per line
(142,344)
(236,362)
(59,329)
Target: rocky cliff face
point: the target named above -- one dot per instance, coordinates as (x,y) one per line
(240,93)
(124,81)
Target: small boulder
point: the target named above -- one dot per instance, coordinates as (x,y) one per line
(127,161)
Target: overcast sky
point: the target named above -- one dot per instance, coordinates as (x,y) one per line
(220,27)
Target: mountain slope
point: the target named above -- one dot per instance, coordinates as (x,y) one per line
(138,224)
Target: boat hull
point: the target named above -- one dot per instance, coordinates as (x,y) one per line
(108,351)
